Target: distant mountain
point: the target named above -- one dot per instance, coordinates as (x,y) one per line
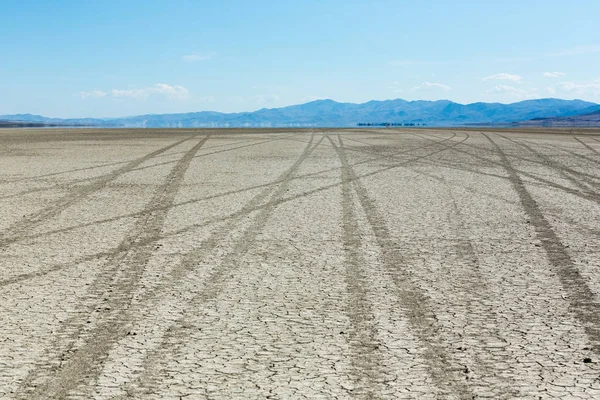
(34,123)
(329,113)
(28,119)
(591,119)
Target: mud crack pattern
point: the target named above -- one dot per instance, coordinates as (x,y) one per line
(283,264)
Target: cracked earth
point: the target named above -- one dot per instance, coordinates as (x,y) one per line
(289,264)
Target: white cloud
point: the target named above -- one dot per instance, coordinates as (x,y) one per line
(432,86)
(580,88)
(196,57)
(93,93)
(553,74)
(503,77)
(171,92)
(160,89)
(551,90)
(511,90)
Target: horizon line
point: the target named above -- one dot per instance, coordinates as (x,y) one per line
(294,105)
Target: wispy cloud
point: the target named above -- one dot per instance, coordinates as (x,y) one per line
(432,86)
(510,90)
(577,51)
(159,89)
(581,88)
(93,93)
(503,76)
(196,57)
(553,74)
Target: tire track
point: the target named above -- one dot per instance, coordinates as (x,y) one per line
(28,191)
(176,333)
(116,285)
(246,210)
(475,290)
(233,220)
(565,150)
(573,153)
(220,151)
(121,247)
(586,145)
(25,225)
(582,300)
(42,177)
(124,247)
(420,314)
(584,195)
(366,358)
(232,192)
(568,173)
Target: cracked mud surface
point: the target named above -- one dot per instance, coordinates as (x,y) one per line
(418,264)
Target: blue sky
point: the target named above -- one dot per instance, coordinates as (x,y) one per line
(117,58)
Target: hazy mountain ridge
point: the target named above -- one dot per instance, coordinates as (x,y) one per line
(329,113)
(591,119)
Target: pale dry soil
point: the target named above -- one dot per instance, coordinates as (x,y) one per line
(284,264)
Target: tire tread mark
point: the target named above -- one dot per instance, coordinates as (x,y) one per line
(583,303)
(586,145)
(255,143)
(568,173)
(125,268)
(232,192)
(475,290)
(247,209)
(28,191)
(366,358)
(419,313)
(564,150)
(26,224)
(587,196)
(152,362)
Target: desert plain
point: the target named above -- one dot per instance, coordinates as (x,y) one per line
(285,264)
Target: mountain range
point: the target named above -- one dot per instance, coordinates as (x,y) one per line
(329,113)
(583,120)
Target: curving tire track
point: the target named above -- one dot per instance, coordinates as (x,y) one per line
(217,278)
(232,192)
(254,143)
(14,233)
(583,302)
(420,316)
(583,195)
(548,160)
(571,152)
(79,362)
(579,179)
(246,210)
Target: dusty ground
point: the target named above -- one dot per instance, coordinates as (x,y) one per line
(296,264)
